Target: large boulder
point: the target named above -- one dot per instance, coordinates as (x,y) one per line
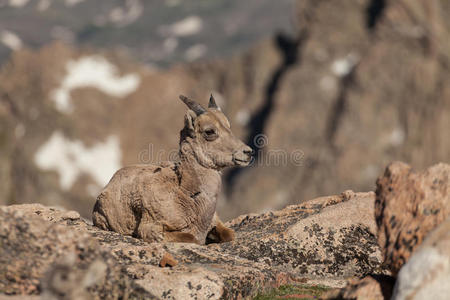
(56,253)
(427,273)
(412,211)
(409,205)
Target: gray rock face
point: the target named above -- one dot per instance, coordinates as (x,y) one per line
(322,241)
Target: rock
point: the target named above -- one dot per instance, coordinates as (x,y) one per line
(41,252)
(168,261)
(427,273)
(321,241)
(408,206)
(71,215)
(368,288)
(338,241)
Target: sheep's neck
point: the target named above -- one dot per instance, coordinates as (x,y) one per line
(197,179)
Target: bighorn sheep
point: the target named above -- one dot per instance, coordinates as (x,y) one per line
(176,201)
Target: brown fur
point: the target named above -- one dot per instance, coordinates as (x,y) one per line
(176,201)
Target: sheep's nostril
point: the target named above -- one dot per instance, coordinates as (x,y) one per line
(248,151)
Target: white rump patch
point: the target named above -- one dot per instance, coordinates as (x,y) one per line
(97,72)
(70,158)
(10,40)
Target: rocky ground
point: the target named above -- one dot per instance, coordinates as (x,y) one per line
(50,251)
(59,255)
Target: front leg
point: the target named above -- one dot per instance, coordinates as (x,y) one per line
(218,232)
(149,232)
(180,237)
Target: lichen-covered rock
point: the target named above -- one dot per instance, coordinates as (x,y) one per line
(427,273)
(321,241)
(337,242)
(408,206)
(41,251)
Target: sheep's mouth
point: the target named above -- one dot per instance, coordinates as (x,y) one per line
(242,162)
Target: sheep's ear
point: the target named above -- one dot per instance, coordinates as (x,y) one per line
(212,103)
(189,119)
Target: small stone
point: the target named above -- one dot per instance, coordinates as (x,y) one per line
(168,261)
(71,215)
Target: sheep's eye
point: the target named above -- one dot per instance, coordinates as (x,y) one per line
(210,131)
(210,134)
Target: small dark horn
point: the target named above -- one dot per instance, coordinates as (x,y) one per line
(197,108)
(212,103)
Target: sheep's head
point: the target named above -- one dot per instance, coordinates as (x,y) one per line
(207,135)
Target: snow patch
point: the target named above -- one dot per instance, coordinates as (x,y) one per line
(10,40)
(123,16)
(188,26)
(18,3)
(93,71)
(170,44)
(73,2)
(344,66)
(71,158)
(195,52)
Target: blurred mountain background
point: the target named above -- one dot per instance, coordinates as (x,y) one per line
(326,92)
(157,33)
